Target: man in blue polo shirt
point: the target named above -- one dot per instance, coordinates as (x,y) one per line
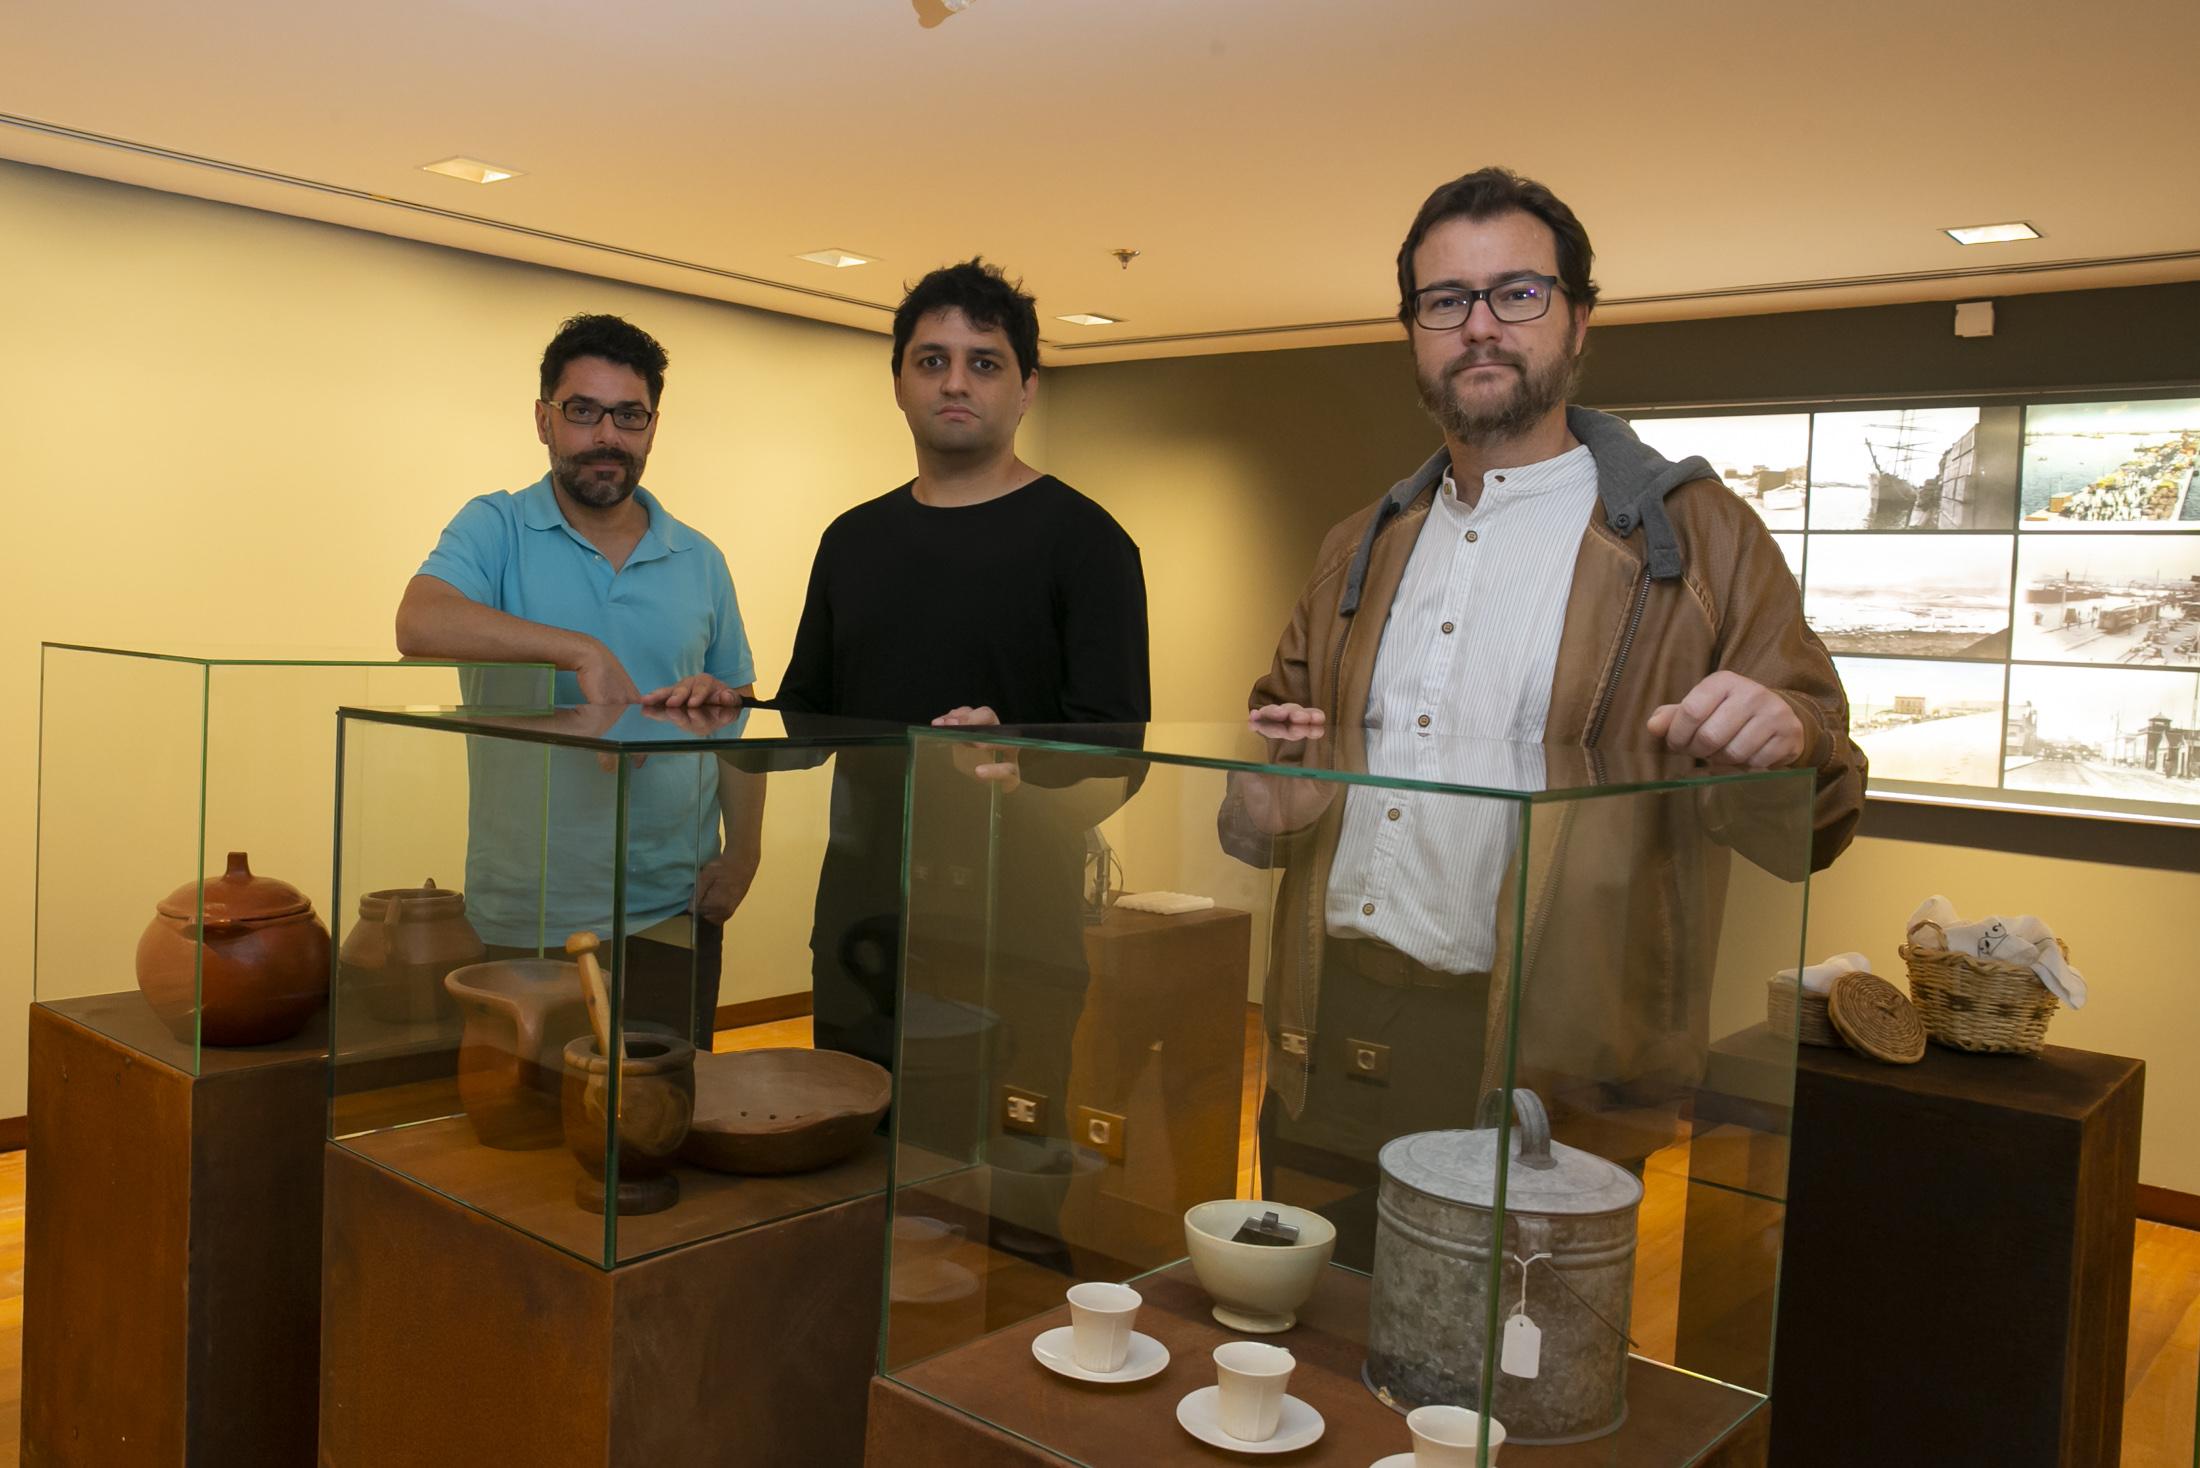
(585,570)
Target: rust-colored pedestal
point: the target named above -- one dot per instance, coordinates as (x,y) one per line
(1005,1405)
(451,1338)
(172,1245)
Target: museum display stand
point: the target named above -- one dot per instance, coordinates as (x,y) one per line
(535,1254)
(178,1043)
(1989,1318)
(1487,980)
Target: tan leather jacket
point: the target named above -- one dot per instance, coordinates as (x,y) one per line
(1676,579)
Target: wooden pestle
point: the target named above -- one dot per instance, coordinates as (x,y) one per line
(583,946)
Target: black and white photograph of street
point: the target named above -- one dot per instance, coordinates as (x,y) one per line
(2129,599)
(2114,734)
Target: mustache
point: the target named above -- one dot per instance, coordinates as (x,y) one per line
(605,456)
(1468,360)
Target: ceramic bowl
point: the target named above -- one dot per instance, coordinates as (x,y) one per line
(1257,1288)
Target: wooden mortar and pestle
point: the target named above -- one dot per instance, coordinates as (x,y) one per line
(655,1107)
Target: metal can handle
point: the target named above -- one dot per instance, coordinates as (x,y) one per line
(1534,1124)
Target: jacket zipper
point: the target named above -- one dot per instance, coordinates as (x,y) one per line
(1619,662)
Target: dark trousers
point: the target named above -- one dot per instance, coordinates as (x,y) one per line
(667,986)
(1322,1155)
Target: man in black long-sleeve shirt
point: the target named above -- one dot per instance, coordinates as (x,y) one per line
(981,592)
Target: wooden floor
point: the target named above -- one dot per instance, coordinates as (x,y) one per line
(2165,1297)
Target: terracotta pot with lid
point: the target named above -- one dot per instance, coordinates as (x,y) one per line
(249,969)
(395,958)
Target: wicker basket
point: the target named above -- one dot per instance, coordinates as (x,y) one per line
(1813,1028)
(1980,1004)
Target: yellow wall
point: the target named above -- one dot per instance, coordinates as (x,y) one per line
(227,427)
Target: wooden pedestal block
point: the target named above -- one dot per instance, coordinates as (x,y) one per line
(1956,1282)
(988,1404)
(453,1338)
(172,1245)
(1161,1044)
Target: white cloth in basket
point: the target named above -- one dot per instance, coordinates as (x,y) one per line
(2023,939)
(1819,977)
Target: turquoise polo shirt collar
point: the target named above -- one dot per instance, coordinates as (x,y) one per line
(665,535)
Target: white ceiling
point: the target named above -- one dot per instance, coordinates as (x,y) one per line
(1264,155)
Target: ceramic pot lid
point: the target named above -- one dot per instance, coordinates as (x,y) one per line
(236,896)
(1543,1177)
(412,904)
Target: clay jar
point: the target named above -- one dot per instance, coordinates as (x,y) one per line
(250,970)
(520,1015)
(394,960)
(656,1105)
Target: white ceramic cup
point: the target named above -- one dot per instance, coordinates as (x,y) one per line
(1100,1318)
(1446,1437)
(1250,1378)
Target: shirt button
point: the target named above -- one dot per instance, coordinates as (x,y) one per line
(1473,536)
(1395,813)
(1367,909)
(1447,629)
(1422,721)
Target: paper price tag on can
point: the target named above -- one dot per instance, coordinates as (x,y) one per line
(1522,1353)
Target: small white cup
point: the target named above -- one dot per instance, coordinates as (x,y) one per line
(1250,1378)
(1100,1318)
(1446,1437)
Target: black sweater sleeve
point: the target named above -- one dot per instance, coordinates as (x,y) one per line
(808,683)
(1106,673)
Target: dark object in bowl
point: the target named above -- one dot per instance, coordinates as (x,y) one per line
(775,1111)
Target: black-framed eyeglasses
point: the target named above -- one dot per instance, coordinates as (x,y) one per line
(1518,299)
(587,413)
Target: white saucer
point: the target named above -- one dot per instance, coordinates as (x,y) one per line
(1395,1460)
(932,1282)
(1297,1426)
(1146,1359)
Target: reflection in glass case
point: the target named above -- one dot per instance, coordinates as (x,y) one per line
(1446,1136)
(546,918)
(184,800)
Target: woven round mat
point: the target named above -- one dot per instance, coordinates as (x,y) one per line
(1876,1019)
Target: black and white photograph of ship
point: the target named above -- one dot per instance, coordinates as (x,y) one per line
(2121,734)
(1762,457)
(1914,469)
(2129,599)
(2112,466)
(1913,595)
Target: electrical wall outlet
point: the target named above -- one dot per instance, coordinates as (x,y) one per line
(1367,1061)
(1023,1111)
(1101,1131)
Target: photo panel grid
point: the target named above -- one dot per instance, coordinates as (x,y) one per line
(1911,595)
(2107,734)
(1763,457)
(1914,469)
(2127,599)
(1933,723)
(2112,466)
(1791,547)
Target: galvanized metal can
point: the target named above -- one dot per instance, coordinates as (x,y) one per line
(1566,1262)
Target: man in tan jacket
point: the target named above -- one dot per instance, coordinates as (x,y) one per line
(1545,580)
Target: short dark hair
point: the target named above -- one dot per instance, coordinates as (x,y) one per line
(986,298)
(1485,194)
(613,338)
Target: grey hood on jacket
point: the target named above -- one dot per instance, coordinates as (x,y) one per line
(1633,480)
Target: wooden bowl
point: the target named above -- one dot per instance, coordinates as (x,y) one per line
(774,1111)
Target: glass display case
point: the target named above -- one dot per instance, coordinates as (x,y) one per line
(525,897)
(184,802)
(1446,1130)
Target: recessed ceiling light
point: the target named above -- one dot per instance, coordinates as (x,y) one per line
(837,259)
(1087,318)
(1992,234)
(472,170)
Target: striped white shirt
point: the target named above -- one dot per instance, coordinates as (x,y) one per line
(1467,657)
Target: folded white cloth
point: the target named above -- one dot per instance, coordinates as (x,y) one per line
(1819,977)
(2024,939)
(1168,904)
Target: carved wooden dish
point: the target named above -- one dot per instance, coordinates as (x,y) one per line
(774,1111)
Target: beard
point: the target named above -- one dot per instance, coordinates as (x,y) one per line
(577,478)
(1535,394)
